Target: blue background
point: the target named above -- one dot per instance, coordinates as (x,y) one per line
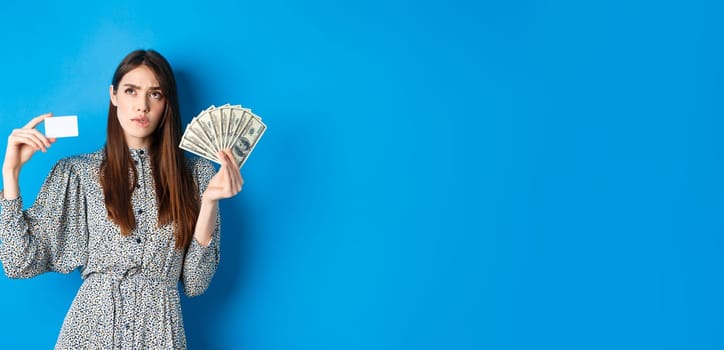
(436,174)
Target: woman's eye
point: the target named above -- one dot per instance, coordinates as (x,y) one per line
(130,91)
(156,95)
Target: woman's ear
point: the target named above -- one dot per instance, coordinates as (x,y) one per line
(114,101)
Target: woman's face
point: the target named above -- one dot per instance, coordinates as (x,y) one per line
(140,105)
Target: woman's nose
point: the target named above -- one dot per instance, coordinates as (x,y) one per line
(143,105)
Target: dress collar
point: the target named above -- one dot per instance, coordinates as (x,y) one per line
(138,152)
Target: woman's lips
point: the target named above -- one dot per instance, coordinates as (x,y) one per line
(141,122)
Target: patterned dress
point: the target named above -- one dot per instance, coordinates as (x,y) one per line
(129,298)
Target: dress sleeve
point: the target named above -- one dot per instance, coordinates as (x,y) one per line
(51,235)
(200,262)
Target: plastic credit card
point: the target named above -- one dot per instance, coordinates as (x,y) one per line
(61,126)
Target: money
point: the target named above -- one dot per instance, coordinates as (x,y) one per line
(249,137)
(226,127)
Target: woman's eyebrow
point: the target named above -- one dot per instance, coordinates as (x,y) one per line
(138,87)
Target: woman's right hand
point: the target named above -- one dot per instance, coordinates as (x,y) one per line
(22,144)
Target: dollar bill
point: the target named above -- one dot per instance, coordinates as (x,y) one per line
(247,141)
(226,127)
(226,137)
(216,125)
(203,134)
(240,117)
(194,145)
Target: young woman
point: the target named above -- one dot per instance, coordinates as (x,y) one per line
(136,216)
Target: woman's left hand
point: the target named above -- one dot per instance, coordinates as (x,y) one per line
(227,182)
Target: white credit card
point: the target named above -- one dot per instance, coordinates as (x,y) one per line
(63,126)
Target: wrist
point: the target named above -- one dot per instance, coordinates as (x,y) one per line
(205,200)
(11,173)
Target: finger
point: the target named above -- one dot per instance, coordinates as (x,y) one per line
(35,135)
(237,174)
(230,183)
(234,173)
(225,159)
(224,169)
(26,134)
(235,182)
(38,135)
(230,174)
(37,120)
(238,180)
(33,141)
(22,139)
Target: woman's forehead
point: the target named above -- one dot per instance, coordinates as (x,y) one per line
(141,76)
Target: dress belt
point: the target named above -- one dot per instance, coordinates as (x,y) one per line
(115,278)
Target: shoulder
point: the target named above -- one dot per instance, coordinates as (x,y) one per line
(74,171)
(77,168)
(81,162)
(202,171)
(84,159)
(200,167)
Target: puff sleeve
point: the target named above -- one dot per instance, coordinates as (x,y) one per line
(51,235)
(200,262)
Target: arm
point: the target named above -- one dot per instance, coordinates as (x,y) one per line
(44,237)
(206,222)
(225,184)
(52,234)
(202,257)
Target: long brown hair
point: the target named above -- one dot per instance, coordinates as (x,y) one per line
(176,191)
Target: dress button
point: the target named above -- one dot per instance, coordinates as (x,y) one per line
(140,211)
(135,161)
(141,151)
(138,240)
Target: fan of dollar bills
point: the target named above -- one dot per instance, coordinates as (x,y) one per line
(225,127)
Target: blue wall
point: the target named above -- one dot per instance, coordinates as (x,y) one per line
(436,174)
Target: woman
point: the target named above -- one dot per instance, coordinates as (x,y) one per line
(136,216)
